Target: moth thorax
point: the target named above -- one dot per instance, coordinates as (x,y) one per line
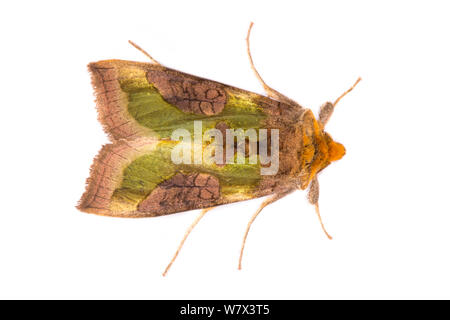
(318,149)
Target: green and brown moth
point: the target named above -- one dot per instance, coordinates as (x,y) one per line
(152,168)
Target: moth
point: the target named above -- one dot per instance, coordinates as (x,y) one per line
(141,105)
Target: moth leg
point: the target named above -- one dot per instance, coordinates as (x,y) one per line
(144,52)
(313,197)
(188,231)
(326,110)
(268,201)
(270,91)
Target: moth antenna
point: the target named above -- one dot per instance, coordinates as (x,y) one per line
(345,93)
(270,91)
(316,205)
(266,87)
(327,109)
(144,52)
(188,231)
(262,206)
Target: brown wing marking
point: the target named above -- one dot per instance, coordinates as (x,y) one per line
(189,94)
(182,192)
(112,102)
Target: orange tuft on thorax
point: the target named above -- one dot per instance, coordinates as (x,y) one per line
(335,151)
(318,150)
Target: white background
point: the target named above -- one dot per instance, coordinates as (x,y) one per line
(385,202)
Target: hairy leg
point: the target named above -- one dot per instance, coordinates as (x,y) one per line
(188,231)
(266,202)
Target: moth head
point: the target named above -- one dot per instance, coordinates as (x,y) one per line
(336,150)
(318,148)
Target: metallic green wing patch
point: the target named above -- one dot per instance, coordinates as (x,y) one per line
(152,110)
(126,173)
